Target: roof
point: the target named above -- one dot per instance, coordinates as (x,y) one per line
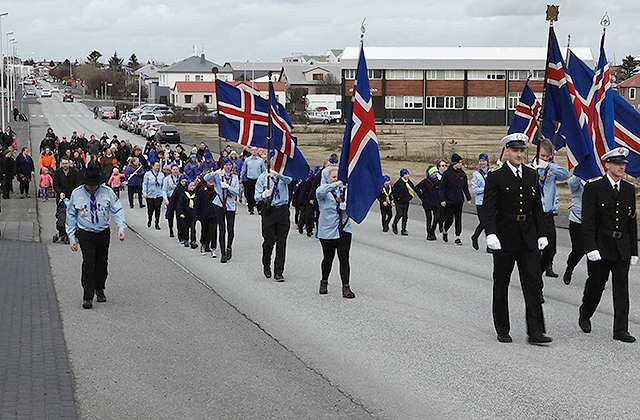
(633,81)
(295,72)
(194,64)
(456,58)
(210,86)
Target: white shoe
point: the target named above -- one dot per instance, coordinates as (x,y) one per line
(213,253)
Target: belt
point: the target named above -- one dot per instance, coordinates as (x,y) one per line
(279,207)
(615,234)
(517,217)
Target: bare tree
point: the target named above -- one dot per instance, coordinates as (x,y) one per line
(329,84)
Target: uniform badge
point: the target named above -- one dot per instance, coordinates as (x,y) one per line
(621,151)
(80,198)
(82,212)
(103,196)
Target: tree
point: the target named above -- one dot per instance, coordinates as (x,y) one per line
(133,63)
(61,71)
(628,68)
(296,98)
(329,84)
(94,57)
(115,63)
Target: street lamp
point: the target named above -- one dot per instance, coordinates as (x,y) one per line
(8,104)
(214,70)
(2,72)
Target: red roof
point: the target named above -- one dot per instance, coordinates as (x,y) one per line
(211,86)
(633,81)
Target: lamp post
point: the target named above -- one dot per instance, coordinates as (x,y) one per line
(2,73)
(8,103)
(214,70)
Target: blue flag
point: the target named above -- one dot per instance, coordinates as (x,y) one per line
(525,119)
(359,165)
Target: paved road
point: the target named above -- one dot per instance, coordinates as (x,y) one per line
(417,342)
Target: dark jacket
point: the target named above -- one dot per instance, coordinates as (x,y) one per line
(7,166)
(204,203)
(134,180)
(183,207)
(428,193)
(386,191)
(65,183)
(173,201)
(401,193)
(604,216)
(454,187)
(24,165)
(507,198)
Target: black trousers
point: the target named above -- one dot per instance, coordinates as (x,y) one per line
(24,187)
(153,209)
(249,191)
(306,218)
(593,288)
(402,212)
(531,282)
(226,227)
(170,215)
(433,217)
(480,227)
(577,245)
(208,232)
(386,213)
(7,185)
(550,251)
(186,230)
(329,248)
(275,229)
(453,212)
(95,253)
(132,190)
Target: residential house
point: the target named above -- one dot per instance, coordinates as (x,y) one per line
(630,90)
(194,69)
(189,94)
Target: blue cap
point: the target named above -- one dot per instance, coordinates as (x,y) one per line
(404,172)
(483,156)
(207,155)
(386,178)
(186,178)
(193,155)
(226,160)
(333,160)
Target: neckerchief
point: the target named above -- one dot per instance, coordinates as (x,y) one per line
(483,172)
(175,179)
(339,197)
(155,175)
(457,174)
(190,196)
(406,183)
(93,207)
(387,194)
(276,191)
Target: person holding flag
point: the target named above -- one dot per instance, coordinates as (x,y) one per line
(227,188)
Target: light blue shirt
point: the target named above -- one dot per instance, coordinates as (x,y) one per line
(152,184)
(478,181)
(328,221)
(229,193)
(553,173)
(280,197)
(253,167)
(169,185)
(79,211)
(576,186)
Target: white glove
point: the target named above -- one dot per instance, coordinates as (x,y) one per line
(542,164)
(340,184)
(634,259)
(499,162)
(224,184)
(274,173)
(266,193)
(343,207)
(594,255)
(493,242)
(543,242)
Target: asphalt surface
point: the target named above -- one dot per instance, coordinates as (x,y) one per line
(185,336)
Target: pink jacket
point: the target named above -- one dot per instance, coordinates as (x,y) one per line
(45,181)
(115,180)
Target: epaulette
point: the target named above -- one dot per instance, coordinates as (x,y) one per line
(495,168)
(626,182)
(595,179)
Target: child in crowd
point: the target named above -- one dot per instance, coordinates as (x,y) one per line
(115,181)
(45,183)
(186,210)
(427,191)
(386,201)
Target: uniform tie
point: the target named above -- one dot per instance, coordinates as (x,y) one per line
(93,208)
(276,190)
(518,173)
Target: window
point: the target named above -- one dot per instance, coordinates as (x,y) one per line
(487,75)
(207,99)
(431,102)
(404,75)
(524,74)
(350,74)
(632,93)
(514,98)
(186,77)
(317,76)
(199,78)
(445,74)
(188,99)
(375,74)
(485,102)
(391,102)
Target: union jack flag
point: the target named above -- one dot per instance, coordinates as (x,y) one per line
(359,165)
(525,119)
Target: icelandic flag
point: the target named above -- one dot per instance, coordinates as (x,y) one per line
(525,119)
(288,160)
(128,72)
(144,76)
(360,158)
(561,123)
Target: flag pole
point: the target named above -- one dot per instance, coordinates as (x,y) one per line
(552,16)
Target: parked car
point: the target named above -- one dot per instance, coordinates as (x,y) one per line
(55,89)
(151,129)
(67,97)
(142,118)
(31,91)
(335,115)
(132,118)
(319,117)
(46,93)
(108,112)
(168,134)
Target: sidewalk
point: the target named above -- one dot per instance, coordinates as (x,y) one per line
(35,376)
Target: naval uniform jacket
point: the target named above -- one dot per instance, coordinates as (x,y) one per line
(609,223)
(513,208)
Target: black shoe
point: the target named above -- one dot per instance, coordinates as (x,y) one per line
(567,277)
(489,250)
(551,273)
(395,229)
(474,243)
(100,297)
(228,254)
(385,228)
(624,336)
(458,242)
(278,278)
(207,249)
(324,287)
(142,206)
(300,231)
(309,234)
(445,236)
(541,297)
(157,226)
(251,212)
(223,258)
(87,303)
(194,245)
(171,235)
(431,237)
(404,233)
(149,224)
(504,338)
(585,324)
(347,293)
(539,339)
(131,206)
(267,272)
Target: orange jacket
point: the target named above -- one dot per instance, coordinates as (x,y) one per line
(48,160)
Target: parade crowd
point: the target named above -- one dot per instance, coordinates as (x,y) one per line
(516,205)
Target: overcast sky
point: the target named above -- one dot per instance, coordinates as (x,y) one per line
(237,30)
